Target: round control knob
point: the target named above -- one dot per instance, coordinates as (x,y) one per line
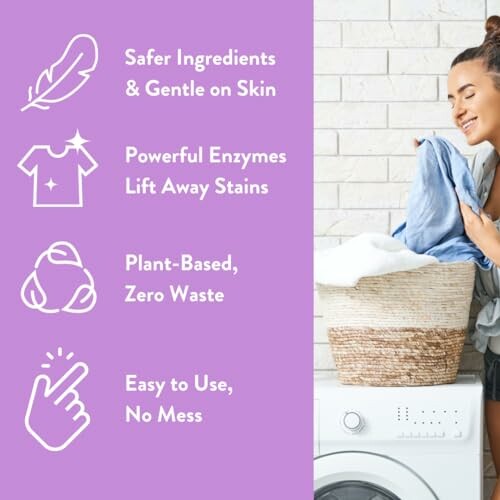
(352,422)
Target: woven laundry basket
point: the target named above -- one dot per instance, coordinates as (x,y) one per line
(400,329)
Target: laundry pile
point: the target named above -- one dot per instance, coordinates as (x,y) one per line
(369,254)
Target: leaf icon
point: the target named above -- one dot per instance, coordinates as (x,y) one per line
(67,75)
(63,252)
(83,300)
(32,293)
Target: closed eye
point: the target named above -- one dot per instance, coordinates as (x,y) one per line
(467,97)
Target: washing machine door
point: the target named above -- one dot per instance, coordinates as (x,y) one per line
(353,475)
(353,490)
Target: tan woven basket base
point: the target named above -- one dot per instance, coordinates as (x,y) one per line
(396,356)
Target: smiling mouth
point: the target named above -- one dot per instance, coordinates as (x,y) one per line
(466,126)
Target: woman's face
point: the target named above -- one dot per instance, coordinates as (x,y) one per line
(475,102)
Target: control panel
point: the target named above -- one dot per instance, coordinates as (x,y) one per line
(413,422)
(358,417)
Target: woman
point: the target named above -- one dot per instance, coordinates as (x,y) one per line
(474,94)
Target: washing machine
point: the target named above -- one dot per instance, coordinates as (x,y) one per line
(398,443)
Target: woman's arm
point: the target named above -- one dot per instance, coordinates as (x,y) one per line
(483,232)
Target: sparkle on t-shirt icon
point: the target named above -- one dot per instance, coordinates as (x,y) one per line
(68,166)
(51,184)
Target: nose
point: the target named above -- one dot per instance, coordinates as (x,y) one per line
(458,111)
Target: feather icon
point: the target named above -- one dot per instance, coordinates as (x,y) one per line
(66,76)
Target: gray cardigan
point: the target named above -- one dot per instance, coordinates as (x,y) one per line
(487,286)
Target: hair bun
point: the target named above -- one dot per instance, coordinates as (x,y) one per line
(492,26)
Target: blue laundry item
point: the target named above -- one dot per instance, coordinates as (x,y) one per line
(434,223)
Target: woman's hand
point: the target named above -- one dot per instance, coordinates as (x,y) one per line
(482,231)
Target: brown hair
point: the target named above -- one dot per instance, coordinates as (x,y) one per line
(488,51)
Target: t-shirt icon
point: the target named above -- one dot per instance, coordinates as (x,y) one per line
(58,178)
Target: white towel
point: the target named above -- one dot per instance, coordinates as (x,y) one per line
(369,254)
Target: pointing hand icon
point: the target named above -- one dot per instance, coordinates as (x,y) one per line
(55,415)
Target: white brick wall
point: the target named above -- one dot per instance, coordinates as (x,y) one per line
(384,34)
(387,88)
(419,114)
(350,222)
(443,88)
(350,9)
(461,34)
(362,195)
(381,80)
(378,142)
(401,168)
(326,34)
(327,88)
(493,7)
(350,169)
(349,61)
(420,61)
(325,142)
(432,10)
(350,115)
